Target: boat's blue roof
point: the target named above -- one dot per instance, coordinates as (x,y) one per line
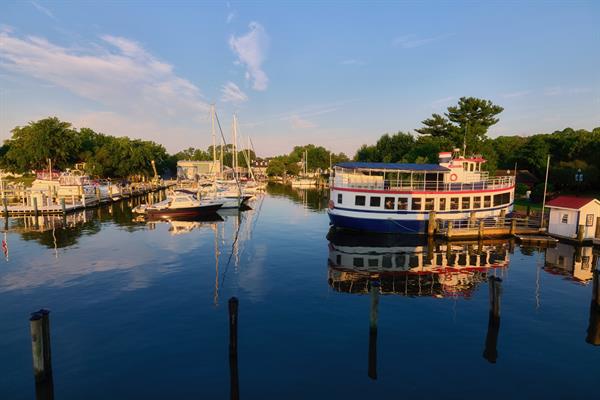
(393,166)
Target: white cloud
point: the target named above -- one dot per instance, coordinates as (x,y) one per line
(231,93)
(443,101)
(42,9)
(412,41)
(301,123)
(231,16)
(251,50)
(117,73)
(553,91)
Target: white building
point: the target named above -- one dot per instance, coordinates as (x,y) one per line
(194,170)
(576,218)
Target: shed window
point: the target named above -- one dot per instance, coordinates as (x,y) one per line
(416,203)
(565,219)
(339,198)
(375,201)
(402,203)
(390,203)
(359,201)
(589,220)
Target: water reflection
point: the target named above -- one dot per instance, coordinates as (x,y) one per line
(574,262)
(310,199)
(412,267)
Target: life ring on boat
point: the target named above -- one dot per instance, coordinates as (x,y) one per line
(448,276)
(331,205)
(453,177)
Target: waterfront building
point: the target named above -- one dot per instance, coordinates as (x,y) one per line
(576,218)
(194,170)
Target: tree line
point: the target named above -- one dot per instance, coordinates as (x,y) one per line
(466,125)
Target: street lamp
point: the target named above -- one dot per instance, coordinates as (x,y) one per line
(579,179)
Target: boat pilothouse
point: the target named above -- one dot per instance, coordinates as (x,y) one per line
(387,197)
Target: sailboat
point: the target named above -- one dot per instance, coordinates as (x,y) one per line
(304,181)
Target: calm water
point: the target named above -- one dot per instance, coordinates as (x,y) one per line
(139,310)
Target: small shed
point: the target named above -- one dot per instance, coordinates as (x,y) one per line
(573,217)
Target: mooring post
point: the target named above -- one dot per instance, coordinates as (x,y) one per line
(5,203)
(39,324)
(481,228)
(35,206)
(580,233)
(373,316)
(431,225)
(490,352)
(98,194)
(449,232)
(513,226)
(63,206)
(233,359)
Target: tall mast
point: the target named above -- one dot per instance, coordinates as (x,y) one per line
(235,158)
(214,138)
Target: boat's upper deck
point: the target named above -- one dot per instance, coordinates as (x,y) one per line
(417,177)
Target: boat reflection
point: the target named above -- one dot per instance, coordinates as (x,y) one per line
(415,268)
(179,226)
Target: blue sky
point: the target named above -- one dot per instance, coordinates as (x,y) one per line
(338,74)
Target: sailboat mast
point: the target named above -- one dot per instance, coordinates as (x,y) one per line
(214,138)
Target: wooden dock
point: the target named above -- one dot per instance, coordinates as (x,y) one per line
(24,203)
(486,228)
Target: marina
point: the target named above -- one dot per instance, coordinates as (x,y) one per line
(354,303)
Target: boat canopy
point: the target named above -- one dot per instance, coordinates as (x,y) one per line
(375,166)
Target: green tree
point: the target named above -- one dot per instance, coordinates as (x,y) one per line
(32,145)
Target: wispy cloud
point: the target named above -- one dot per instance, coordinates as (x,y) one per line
(231,14)
(442,101)
(516,94)
(411,41)
(42,9)
(298,122)
(251,51)
(553,91)
(231,93)
(117,73)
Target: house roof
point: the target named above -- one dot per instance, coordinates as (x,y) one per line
(571,202)
(393,166)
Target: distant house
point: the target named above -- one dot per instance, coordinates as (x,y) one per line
(194,170)
(523,176)
(576,218)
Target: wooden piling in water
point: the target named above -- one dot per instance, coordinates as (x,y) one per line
(580,233)
(35,206)
(39,324)
(373,317)
(490,352)
(431,226)
(233,359)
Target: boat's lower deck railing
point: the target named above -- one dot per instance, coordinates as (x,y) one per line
(433,186)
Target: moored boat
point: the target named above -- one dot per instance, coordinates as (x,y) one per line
(180,204)
(398,198)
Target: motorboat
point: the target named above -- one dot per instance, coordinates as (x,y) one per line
(179,204)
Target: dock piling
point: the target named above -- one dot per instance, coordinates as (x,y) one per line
(5,204)
(593,331)
(580,233)
(63,206)
(431,226)
(35,206)
(39,324)
(233,359)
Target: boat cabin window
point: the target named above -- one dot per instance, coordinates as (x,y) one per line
(339,198)
(416,204)
(477,202)
(454,203)
(338,259)
(358,262)
(390,203)
(375,201)
(471,167)
(487,201)
(429,204)
(359,201)
(442,204)
(402,203)
(500,199)
(466,166)
(373,262)
(466,203)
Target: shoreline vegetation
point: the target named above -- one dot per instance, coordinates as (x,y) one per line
(464,125)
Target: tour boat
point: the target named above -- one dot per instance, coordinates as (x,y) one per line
(399,198)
